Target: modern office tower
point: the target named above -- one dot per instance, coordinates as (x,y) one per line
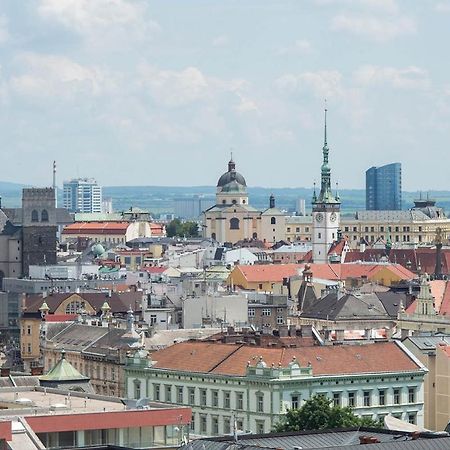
(384,187)
(82,195)
(192,207)
(300,207)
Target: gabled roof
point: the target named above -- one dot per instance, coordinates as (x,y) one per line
(231,359)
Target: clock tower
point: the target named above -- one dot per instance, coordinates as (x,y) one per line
(325,211)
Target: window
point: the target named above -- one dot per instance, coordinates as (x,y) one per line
(156,392)
(319,235)
(226,425)
(28,329)
(260,402)
(412,418)
(239,400)
(226,399)
(351,399)
(297,229)
(180,398)
(203,397)
(215,425)
(203,424)
(397,396)
(192,425)
(153,319)
(215,398)
(412,395)
(191,396)
(239,424)
(381,397)
(366,398)
(113,374)
(44,216)
(306,229)
(336,398)
(168,393)
(29,348)
(260,427)
(273,220)
(251,312)
(234,223)
(294,402)
(266,311)
(280,320)
(137,389)
(34,216)
(74,307)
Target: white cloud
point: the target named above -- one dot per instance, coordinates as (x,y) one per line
(101,19)
(323,84)
(46,75)
(221,41)
(4,33)
(442,7)
(299,47)
(376,28)
(407,78)
(246,105)
(385,6)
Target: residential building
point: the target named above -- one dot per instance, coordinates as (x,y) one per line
(66,307)
(82,195)
(433,350)
(384,188)
(256,385)
(267,312)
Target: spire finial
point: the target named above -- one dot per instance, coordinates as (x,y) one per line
(325,130)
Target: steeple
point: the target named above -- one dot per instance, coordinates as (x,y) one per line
(326,195)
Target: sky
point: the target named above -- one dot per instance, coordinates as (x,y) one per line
(145,92)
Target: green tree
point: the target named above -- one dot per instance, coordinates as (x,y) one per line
(317,413)
(181,229)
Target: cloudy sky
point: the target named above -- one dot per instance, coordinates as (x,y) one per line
(157,92)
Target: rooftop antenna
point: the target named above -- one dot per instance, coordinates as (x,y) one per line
(54,184)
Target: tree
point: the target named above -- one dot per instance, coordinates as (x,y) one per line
(182,229)
(317,413)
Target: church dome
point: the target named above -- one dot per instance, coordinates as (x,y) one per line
(231,177)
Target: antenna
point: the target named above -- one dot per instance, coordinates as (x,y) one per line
(54,184)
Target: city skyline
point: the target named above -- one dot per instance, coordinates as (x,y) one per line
(165,103)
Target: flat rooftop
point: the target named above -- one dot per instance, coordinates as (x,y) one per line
(40,401)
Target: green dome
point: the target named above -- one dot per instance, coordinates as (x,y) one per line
(98,250)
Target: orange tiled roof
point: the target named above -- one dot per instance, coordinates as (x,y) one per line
(268,272)
(230,359)
(96,228)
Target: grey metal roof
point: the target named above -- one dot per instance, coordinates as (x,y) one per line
(429,342)
(347,439)
(391,216)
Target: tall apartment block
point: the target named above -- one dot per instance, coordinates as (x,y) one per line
(82,195)
(384,187)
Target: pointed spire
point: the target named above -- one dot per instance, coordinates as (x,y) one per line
(325,130)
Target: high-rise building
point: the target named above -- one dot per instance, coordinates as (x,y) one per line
(82,195)
(384,187)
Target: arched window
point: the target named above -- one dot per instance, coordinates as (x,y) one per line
(234,202)
(234,223)
(34,216)
(74,307)
(255,236)
(273,221)
(44,216)
(213,236)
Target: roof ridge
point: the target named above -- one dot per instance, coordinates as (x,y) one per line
(226,357)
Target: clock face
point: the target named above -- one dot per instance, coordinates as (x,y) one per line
(333,217)
(319,217)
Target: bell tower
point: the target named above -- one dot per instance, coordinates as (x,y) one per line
(325,210)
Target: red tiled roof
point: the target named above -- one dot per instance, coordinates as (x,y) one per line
(153,269)
(444,308)
(96,228)
(355,270)
(268,272)
(230,359)
(60,317)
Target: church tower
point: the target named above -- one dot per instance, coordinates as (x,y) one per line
(325,211)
